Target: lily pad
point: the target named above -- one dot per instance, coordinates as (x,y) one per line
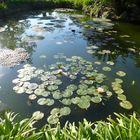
(81,92)
(39,91)
(75,100)
(97,62)
(110,63)
(53,119)
(121,73)
(88,82)
(94,47)
(20,90)
(57,95)
(57,82)
(65,111)
(121,97)
(42,101)
(29,91)
(16,81)
(45,93)
(83,86)
(119,91)
(96,99)
(39,71)
(117,80)
(99,79)
(67,93)
(72,87)
(106,68)
(15,88)
(66,101)
(73,77)
(109,93)
(84,104)
(55,111)
(32,86)
(49,102)
(91,51)
(52,87)
(38,115)
(43,56)
(126,105)
(32,97)
(25,78)
(26,84)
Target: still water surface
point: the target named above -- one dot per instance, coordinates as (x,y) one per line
(65,34)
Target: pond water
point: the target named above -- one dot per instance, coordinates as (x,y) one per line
(87,55)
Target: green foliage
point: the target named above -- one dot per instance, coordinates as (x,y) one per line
(92,7)
(122,128)
(11,130)
(3,6)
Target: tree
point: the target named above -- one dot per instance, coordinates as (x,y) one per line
(119,5)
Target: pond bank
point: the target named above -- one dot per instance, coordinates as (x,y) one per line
(102,10)
(11,8)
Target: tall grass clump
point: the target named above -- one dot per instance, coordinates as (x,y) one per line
(121,128)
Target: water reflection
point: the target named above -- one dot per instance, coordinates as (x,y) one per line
(44,34)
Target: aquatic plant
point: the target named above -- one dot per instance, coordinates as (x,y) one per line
(10,129)
(90,87)
(123,127)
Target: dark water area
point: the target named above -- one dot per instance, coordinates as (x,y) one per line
(45,34)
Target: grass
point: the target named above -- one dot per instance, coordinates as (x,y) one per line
(122,128)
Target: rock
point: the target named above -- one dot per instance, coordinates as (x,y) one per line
(11,58)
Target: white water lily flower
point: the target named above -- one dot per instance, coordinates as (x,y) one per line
(100,90)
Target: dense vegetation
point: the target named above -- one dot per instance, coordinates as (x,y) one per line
(93,7)
(123,128)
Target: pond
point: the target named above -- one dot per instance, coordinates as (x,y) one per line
(77,67)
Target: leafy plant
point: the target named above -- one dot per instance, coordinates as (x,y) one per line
(9,129)
(122,128)
(3,6)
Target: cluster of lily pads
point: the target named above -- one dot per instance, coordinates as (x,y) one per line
(94,49)
(69,81)
(39,29)
(96,28)
(117,87)
(98,31)
(98,24)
